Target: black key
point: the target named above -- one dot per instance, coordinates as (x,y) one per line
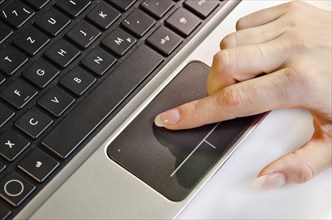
(183,22)
(15,189)
(77,81)
(37,4)
(31,41)
(5,114)
(62,53)
(105,98)
(4,212)
(12,145)
(157,8)
(122,4)
(118,41)
(103,15)
(38,165)
(5,32)
(201,8)
(2,79)
(138,22)
(18,93)
(11,60)
(41,73)
(16,13)
(56,101)
(164,40)
(98,61)
(73,7)
(33,123)
(83,34)
(2,168)
(52,22)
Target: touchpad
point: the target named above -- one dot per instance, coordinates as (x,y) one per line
(173,162)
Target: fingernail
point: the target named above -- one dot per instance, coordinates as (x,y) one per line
(269,181)
(170,117)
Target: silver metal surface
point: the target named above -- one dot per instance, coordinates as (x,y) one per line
(94,187)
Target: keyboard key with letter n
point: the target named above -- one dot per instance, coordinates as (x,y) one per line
(69,134)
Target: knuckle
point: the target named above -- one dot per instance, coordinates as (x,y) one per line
(222,60)
(290,74)
(230,98)
(296,80)
(196,112)
(306,173)
(241,23)
(228,42)
(287,85)
(294,5)
(296,43)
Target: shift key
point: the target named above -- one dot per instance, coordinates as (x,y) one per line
(80,123)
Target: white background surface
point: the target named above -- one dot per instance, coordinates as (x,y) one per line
(229,194)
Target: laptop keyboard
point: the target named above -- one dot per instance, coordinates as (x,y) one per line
(67,67)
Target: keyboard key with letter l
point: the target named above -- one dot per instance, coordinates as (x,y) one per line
(69,134)
(124,5)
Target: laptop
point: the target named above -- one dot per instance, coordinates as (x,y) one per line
(80,84)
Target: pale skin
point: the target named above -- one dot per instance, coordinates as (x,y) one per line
(291,44)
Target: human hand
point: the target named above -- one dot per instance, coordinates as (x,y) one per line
(291,45)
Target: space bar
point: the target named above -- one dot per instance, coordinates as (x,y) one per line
(101,102)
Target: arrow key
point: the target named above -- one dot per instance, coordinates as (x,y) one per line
(56,101)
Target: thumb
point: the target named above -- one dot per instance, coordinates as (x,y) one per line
(298,166)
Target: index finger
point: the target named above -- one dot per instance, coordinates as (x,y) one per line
(250,97)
